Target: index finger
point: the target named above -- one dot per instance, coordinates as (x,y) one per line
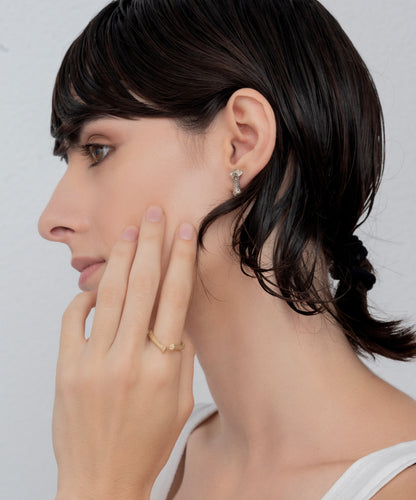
(143,282)
(73,323)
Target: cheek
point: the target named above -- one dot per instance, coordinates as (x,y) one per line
(164,176)
(123,195)
(123,200)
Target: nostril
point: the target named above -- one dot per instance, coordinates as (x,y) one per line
(60,231)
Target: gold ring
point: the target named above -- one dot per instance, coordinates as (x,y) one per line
(164,348)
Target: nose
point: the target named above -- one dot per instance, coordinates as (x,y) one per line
(62,216)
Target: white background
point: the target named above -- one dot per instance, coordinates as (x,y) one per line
(36,280)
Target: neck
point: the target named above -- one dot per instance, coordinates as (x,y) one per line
(280,380)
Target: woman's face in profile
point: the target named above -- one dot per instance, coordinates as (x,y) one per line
(119,168)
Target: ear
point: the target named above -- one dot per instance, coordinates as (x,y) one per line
(251,133)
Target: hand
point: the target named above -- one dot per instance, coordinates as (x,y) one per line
(120,403)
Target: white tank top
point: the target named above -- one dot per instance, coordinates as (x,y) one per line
(363,479)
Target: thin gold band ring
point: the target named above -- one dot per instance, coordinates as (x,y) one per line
(164,348)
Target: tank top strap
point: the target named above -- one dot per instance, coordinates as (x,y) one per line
(365,477)
(166,476)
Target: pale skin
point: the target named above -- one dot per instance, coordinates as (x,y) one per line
(296,405)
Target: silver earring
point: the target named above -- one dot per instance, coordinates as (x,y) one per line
(236,174)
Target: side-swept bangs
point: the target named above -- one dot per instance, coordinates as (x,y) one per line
(91,83)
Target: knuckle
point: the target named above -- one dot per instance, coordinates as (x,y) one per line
(108,294)
(120,250)
(144,281)
(177,295)
(152,233)
(159,374)
(124,374)
(72,309)
(81,380)
(74,382)
(67,316)
(184,252)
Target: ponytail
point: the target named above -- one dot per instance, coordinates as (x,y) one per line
(356,277)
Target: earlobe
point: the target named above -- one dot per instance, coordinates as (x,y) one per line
(252,127)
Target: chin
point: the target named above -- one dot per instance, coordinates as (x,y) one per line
(88,287)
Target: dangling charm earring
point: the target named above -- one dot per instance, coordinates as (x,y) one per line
(236,174)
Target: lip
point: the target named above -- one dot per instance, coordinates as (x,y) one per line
(86,266)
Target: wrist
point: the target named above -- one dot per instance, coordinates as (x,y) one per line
(73,495)
(71,488)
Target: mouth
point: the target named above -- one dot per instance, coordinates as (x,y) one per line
(87,267)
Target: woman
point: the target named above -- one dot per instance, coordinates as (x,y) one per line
(257,124)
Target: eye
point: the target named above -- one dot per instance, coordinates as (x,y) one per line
(96,152)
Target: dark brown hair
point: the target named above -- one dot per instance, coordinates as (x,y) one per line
(183,59)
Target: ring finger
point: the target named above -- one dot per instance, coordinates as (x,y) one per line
(176,288)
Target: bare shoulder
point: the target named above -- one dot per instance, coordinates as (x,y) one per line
(399,415)
(402,487)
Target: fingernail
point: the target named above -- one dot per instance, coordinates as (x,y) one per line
(186,231)
(154,214)
(130,234)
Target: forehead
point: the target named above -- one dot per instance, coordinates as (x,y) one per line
(104,124)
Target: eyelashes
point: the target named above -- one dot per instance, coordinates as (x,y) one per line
(95,152)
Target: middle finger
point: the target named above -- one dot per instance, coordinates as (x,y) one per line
(143,281)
